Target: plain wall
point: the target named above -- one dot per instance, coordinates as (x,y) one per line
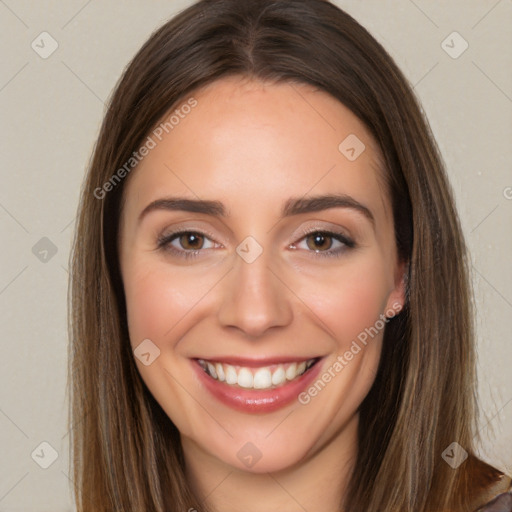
(51,110)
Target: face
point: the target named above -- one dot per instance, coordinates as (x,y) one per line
(259,265)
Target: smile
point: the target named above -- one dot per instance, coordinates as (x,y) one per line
(252,386)
(263,377)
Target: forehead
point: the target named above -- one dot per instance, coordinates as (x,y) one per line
(251,145)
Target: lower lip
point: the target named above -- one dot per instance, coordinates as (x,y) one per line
(257,400)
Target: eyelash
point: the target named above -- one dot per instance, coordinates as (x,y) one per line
(163,243)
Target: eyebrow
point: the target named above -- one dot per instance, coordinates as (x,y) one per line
(293,206)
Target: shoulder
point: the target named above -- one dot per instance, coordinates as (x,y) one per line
(487,485)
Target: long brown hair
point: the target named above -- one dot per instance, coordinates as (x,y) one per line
(126,452)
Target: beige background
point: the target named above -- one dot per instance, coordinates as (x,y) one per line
(51,111)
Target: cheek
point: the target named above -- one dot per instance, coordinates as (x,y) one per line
(145,307)
(350,301)
(349,305)
(158,299)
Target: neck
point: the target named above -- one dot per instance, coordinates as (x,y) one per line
(317,483)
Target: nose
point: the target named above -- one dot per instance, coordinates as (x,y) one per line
(256,298)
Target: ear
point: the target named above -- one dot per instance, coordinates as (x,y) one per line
(397,297)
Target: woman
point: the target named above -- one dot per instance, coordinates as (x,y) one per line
(270,300)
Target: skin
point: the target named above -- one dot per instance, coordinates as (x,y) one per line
(252,146)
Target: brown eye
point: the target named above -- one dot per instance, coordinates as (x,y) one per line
(325,243)
(186,244)
(320,241)
(191,241)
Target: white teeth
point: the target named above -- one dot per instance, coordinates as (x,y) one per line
(262,379)
(211,369)
(231,375)
(291,371)
(220,372)
(245,378)
(279,376)
(252,378)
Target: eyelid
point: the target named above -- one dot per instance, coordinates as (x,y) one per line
(304,231)
(166,235)
(335,231)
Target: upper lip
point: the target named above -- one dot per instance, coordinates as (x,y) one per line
(255,362)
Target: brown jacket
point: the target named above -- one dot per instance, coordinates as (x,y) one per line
(487,483)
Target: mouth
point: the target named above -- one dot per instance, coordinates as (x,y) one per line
(256,386)
(256,377)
